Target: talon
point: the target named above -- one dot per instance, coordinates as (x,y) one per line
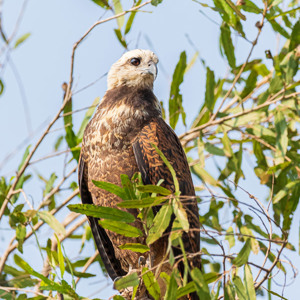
(141,261)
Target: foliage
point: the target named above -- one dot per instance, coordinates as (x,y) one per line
(251,113)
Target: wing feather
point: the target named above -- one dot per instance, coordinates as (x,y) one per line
(104,245)
(153,169)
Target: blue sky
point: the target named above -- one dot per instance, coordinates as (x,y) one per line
(43,64)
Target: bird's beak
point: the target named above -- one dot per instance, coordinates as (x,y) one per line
(151,69)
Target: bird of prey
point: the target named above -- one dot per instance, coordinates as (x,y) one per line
(118,140)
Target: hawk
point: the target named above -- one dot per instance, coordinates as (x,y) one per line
(118,140)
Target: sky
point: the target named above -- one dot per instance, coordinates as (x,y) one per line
(34,72)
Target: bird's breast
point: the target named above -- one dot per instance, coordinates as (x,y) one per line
(115,129)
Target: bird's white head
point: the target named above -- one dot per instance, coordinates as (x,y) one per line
(136,68)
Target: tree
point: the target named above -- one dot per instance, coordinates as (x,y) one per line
(251,113)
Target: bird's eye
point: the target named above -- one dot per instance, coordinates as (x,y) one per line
(135,61)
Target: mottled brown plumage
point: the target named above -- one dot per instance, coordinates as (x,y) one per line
(118,141)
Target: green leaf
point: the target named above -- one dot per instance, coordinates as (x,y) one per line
(287,189)
(70,136)
(156,2)
(87,118)
(185,290)
(1,87)
(295,36)
(118,297)
(20,235)
(22,39)
(281,137)
(151,284)
(60,256)
(235,9)
(210,87)
(171,169)
(214,150)
(204,175)
(145,202)
(239,287)
(118,9)
(250,84)
(289,67)
(64,288)
(161,222)
(248,279)
(102,212)
(128,187)
(275,294)
(112,188)
(49,184)
(129,280)
(172,288)
(227,45)
(230,237)
(181,215)
(121,228)
(154,189)
(200,284)
(120,38)
(25,155)
(175,100)
(277,28)
(52,222)
(227,145)
(135,247)
(242,257)
(249,6)
(102,3)
(211,277)
(131,18)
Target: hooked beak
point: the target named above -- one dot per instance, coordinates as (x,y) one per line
(151,69)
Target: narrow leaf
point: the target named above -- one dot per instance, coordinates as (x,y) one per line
(172,288)
(161,222)
(112,188)
(175,100)
(135,247)
(172,171)
(121,228)
(52,222)
(200,284)
(250,290)
(131,18)
(118,9)
(102,212)
(22,39)
(129,280)
(145,202)
(151,284)
(60,256)
(227,45)
(210,87)
(86,118)
(242,257)
(185,290)
(154,189)
(239,287)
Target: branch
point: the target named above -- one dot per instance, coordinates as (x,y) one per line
(12,246)
(244,64)
(67,97)
(193,133)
